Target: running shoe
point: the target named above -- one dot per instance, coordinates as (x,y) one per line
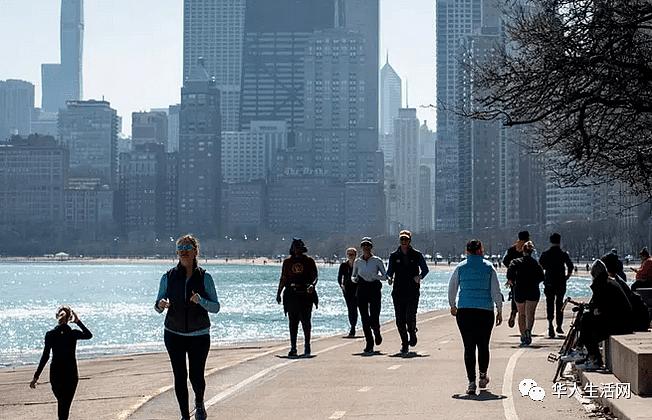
(590,365)
(404,350)
(200,412)
(574,356)
(471,388)
(559,330)
(306,351)
(293,352)
(484,380)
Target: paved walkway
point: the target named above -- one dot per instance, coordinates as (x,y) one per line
(338,382)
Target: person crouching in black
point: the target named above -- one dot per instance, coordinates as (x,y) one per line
(298,278)
(610,313)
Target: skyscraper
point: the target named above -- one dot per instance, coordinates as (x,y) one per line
(391,95)
(406,168)
(214,30)
(200,168)
(455,20)
(63,82)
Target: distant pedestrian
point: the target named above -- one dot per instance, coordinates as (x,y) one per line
(349,288)
(558,268)
(298,281)
(406,269)
(368,271)
(644,272)
(524,275)
(476,281)
(62,341)
(515,251)
(188,293)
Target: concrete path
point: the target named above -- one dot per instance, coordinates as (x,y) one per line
(338,382)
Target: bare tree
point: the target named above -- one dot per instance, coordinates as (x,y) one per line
(580,73)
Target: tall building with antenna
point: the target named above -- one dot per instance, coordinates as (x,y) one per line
(63,81)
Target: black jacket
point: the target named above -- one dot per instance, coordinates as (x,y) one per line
(62,340)
(616,313)
(555,262)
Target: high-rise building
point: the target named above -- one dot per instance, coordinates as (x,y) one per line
(406,168)
(16,108)
(214,30)
(391,94)
(143,187)
(478,147)
(200,167)
(455,20)
(90,130)
(63,82)
(33,173)
(149,127)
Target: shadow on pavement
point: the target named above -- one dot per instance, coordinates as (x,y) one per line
(483,395)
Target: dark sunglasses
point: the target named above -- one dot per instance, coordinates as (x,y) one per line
(187,247)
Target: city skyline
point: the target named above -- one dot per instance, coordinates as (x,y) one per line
(125,42)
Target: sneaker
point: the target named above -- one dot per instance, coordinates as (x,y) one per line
(351,333)
(523,340)
(559,330)
(306,350)
(368,350)
(591,364)
(512,319)
(379,338)
(293,352)
(528,337)
(200,412)
(471,388)
(404,350)
(484,380)
(574,356)
(551,331)
(413,338)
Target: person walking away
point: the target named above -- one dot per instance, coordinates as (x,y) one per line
(64,376)
(349,288)
(644,272)
(188,293)
(515,251)
(298,281)
(558,268)
(405,270)
(525,274)
(368,271)
(473,291)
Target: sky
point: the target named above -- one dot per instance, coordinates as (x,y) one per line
(133,52)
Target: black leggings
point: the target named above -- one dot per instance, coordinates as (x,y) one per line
(64,392)
(369,304)
(351,303)
(300,310)
(405,309)
(197,349)
(554,302)
(475,325)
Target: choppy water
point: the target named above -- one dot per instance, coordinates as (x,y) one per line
(116,302)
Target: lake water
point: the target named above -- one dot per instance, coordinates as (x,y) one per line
(116,302)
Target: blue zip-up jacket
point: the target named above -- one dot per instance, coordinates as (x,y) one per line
(477,282)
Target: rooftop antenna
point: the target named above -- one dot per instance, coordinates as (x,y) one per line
(407,104)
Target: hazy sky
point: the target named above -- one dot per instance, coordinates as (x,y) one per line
(133,49)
